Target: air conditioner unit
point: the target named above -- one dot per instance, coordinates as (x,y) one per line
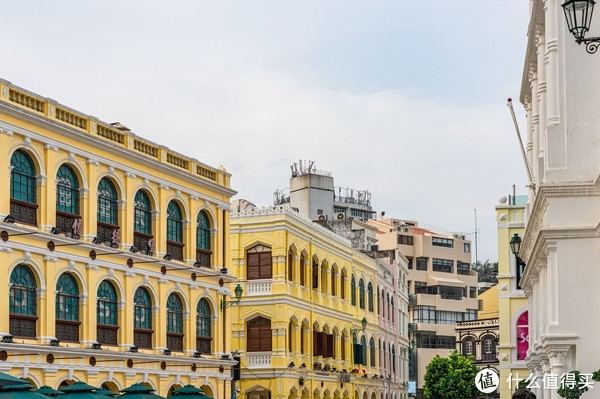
(339,215)
(322,217)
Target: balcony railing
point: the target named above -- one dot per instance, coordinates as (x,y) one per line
(142,338)
(175,249)
(23,326)
(175,341)
(203,257)
(107,334)
(203,344)
(259,360)
(67,330)
(143,242)
(66,223)
(254,288)
(24,212)
(109,234)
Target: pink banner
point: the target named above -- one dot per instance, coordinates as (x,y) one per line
(522,336)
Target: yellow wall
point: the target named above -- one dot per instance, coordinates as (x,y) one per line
(512,301)
(283,301)
(490,303)
(51,136)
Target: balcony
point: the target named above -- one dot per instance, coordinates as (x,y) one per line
(175,249)
(24,212)
(258,288)
(259,360)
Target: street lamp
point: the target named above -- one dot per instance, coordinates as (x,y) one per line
(578,14)
(363,323)
(515,248)
(238,291)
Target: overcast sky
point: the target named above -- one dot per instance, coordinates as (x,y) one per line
(404,98)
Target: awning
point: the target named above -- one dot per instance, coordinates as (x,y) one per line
(435,280)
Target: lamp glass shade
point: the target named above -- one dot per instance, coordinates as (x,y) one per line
(515,244)
(363,322)
(238,292)
(578,14)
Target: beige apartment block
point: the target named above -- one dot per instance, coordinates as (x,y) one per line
(442,288)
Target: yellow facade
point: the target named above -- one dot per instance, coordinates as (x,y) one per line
(512,302)
(308,296)
(53,136)
(489,301)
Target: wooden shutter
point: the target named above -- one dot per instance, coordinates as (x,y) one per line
(253,338)
(357,353)
(315,276)
(253,267)
(266,338)
(329,352)
(315,337)
(266,265)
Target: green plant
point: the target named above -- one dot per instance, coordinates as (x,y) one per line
(596,375)
(572,387)
(451,378)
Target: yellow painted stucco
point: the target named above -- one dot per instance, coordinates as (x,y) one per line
(52,135)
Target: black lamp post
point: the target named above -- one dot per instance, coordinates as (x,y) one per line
(515,247)
(238,291)
(363,323)
(578,14)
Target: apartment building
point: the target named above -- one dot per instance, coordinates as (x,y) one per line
(442,288)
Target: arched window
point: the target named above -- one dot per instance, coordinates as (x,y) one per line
(388,306)
(333,276)
(203,247)
(361,293)
(108,218)
(324,284)
(290,265)
(106,314)
(174,323)
(67,202)
(23,205)
(343,285)
(393,359)
(259,337)
(372,352)
(370,296)
(378,302)
(142,333)
(315,273)
(393,311)
(67,309)
(142,223)
(302,269)
(303,328)
(203,330)
(22,303)
(344,343)
(174,231)
(363,345)
(488,348)
(260,263)
(353,291)
(468,346)
(290,337)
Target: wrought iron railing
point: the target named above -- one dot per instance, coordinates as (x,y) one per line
(175,249)
(109,233)
(203,257)
(203,344)
(23,326)
(107,334)
(142,338)
(66,223)
(175,341)
(144,243)
(24,212)
(67,330)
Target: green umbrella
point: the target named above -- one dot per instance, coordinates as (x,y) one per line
(7,380)
(189,392)
(46,390)
(21,391)
(139,391)
(105,392)
(81,390)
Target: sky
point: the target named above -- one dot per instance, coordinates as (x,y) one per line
(404,98)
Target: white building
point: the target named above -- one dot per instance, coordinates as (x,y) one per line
(560,91)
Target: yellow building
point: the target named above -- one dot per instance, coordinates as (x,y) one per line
(299,326)
(513,305)
(114,248)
